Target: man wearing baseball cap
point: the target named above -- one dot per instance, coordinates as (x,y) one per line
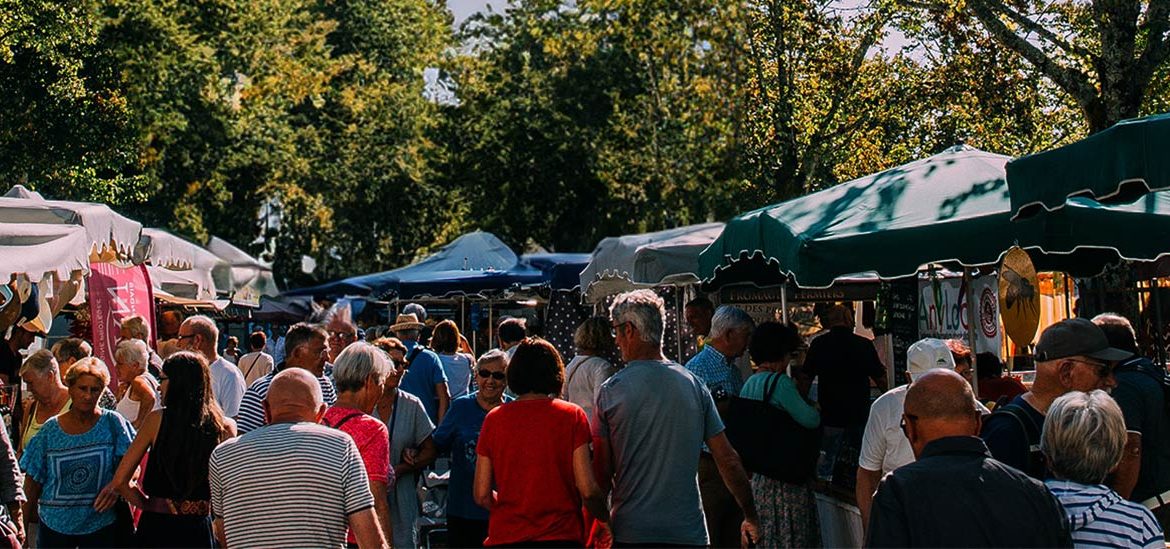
(1072,355)
(884,446)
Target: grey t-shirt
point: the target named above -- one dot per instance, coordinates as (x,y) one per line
(656,416)
(411,427)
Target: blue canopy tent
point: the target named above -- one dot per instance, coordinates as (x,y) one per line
(475,251)
(447,283)
(562,271)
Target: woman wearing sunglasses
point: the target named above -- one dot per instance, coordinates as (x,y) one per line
(467,523)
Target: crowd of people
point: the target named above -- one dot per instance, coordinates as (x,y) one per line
(325,444)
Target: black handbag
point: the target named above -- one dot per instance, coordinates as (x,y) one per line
(769,441)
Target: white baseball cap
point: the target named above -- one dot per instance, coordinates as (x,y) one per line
(926,355)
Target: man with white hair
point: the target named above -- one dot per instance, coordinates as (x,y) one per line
(651,417)
(200,334)
(884,446)
(955,494)
(262,481)
(730,333)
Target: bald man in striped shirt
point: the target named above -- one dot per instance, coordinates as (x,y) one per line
(292,482)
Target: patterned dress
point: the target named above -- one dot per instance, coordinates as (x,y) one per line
(788,513)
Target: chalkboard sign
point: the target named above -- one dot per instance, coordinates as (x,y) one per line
(897,315)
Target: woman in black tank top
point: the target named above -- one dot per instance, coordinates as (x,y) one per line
(175,492)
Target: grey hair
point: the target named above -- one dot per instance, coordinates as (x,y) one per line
(1084,436)
(728,318)
(642,308)
(42,362)
(204,326)
(137,326)
(357,363)
(132,351)
(490,356)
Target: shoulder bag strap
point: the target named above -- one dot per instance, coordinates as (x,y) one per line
(770,386)
(394,417)
(574,372)
(252,365)
(351,416)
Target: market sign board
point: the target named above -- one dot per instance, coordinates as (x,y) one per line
(942,311)
(116,294)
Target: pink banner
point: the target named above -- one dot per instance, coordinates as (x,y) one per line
(116,294)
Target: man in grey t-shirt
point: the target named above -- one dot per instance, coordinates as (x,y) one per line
(651,421)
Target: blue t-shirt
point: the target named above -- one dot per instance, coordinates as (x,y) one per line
(424,373)
(459,433)
(457,368)
(72,469)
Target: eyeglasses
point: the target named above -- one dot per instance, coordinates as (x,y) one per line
(498,376)
(905,417)
(341,335)
(1104,369)
(182,337)
(617,327)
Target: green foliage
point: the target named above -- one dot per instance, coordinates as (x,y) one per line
(568,123)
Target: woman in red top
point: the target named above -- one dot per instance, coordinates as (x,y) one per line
(359,375)
(535,451)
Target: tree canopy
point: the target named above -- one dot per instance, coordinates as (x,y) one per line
(364,133)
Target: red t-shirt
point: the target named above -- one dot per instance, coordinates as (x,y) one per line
(992,389)
(372,440)
(531,444)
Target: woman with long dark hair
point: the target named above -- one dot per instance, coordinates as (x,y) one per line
(174,493)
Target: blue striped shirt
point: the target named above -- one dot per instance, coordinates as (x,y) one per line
(252,406)
(1099,517)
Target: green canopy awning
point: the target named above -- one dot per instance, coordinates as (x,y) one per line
(1115,166)
(951,208)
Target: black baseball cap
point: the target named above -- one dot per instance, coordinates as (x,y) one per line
(1076,337)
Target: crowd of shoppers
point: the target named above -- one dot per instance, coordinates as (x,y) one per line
(332,441)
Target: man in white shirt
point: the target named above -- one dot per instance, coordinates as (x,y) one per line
(884,447)
(257,363)
(199,334)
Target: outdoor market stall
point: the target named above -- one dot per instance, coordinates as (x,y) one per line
(949,210)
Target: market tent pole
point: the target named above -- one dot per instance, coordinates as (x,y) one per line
(1155,287)
(678,315)
(784,302)
(972,317)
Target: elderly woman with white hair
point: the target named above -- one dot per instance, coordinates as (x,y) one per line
(360,375)
(137,391)
(136,327)
(1083,440)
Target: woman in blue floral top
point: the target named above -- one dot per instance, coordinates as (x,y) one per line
(70,463)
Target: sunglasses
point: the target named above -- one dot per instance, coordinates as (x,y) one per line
(498,376)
